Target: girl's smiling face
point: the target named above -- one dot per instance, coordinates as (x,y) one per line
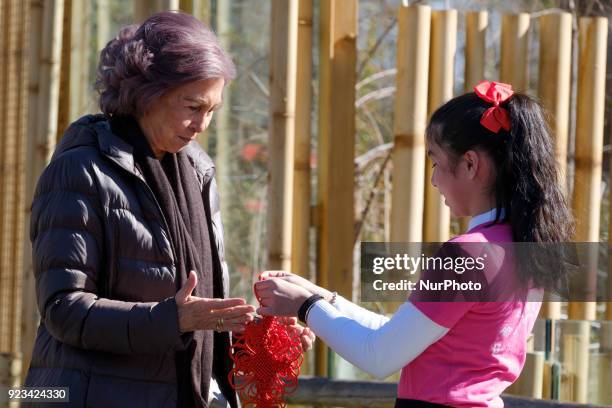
(464,183)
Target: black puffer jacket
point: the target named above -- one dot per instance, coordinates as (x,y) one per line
(105,275)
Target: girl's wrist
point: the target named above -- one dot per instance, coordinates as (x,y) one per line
(306,305)
(328,296)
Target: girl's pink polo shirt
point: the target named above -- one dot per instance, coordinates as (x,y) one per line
(484,349)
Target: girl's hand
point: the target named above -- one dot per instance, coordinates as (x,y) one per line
(307,337)
(196,313)
(298,280)
(279,297)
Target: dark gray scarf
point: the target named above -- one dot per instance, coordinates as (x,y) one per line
(176,189)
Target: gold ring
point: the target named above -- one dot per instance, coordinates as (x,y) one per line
(219,326)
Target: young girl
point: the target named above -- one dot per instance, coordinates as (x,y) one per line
(493,159)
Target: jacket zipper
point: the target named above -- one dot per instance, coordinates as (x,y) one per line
(208,212)
(163,217)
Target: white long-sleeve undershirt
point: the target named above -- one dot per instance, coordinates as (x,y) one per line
(375,343)
(361,315)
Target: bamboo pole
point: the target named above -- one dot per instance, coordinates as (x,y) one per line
(172,5)
(14,20)
(5,278)
(11,175)
(143,9)
(608,306)
(589,146)
(588,167)
(4,9)
(441,79)
(7,156)
(514,51)
(20,179)
(408,153)
(63,113)
(476,23)
(103,17)
(283,66)
(608,315)
(204,11)
(529,383)
(81,97)
(605,357)
(29,310)
(605,368)
(187,6)
(301,172)
(41,138)
(554,74)
(222,125)
(10,374)
(586,197)
(554,92)
(200,9)
(300,260)
(75,98)
(335,200)
(575,360)
(49,82)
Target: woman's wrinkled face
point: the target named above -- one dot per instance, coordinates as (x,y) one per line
(171,122)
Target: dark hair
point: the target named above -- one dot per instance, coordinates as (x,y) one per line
(143,62)
(526,181)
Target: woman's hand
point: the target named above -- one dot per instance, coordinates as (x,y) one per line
(307,337)
(298,280)
(196,313)
(279,297)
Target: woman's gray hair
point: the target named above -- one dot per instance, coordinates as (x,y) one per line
(143,62)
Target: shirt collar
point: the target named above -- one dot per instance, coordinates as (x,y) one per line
(484,217)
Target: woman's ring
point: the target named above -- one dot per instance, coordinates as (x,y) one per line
(219,326)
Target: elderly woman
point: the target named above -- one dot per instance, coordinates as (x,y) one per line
(127,239)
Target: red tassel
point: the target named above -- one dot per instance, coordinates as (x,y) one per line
(267,359)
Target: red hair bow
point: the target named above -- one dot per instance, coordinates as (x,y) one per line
(496,93)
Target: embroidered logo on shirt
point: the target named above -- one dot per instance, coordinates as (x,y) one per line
(505,332)
(497,348)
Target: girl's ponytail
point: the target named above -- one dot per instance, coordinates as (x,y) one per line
(537,207)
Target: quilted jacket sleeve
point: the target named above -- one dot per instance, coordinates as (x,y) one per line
(67,233)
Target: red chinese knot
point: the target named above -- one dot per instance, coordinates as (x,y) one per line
(267,358)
